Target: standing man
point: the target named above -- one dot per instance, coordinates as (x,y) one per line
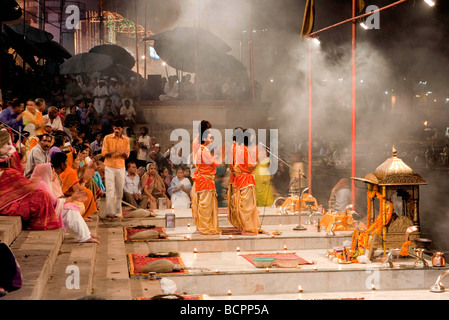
(39,154)
(204,201)
(115,151)
(143,144)
(101,93)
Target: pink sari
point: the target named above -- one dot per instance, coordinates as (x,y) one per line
(21,197)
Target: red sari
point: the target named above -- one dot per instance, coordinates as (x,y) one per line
(20,197)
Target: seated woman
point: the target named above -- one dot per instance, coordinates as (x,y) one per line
(68,212)
(71,183)
(86,172)
(154,188)
(179,190)
(167,177)
(20,197)
(32,116)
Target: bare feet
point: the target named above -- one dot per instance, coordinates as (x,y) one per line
(88,219)
(91,240)
(246,233)
(94,236)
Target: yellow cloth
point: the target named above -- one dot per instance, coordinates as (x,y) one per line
(35,118)
(205,211)
(264,189)
(246,214)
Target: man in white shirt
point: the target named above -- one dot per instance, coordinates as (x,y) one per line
(132,192)
(143,144)
(53,120)
(101,93)
(128,112)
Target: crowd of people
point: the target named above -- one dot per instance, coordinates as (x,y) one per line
(47,150)
(217,88)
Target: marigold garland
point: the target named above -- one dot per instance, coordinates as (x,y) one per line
(404,248)
(366,237)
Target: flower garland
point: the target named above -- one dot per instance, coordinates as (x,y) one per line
(364,239)
(404,248)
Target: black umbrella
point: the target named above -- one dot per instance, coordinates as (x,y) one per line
(225,65)
(31,33)
(9,10)
(23,47)
(120,72)
(118,54)
(180,47)
(53,50)
(85,63)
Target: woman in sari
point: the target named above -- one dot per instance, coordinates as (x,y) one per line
(86,172)
(71,184)
(204,196)
(20,197)
(180,190)
(32,116)
(246,215)
(68,212)
(154,187)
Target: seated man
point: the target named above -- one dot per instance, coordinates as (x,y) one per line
(132,192)
(39,154)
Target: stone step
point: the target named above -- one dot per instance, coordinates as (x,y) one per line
(183,217)
(181,239)
(36,252)
(74,268)
(10,228)
(111,278)
(404,295)
(219,272)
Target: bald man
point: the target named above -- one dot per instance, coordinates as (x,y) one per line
(51,119)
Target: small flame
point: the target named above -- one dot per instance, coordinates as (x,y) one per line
(229,292)
(300,288)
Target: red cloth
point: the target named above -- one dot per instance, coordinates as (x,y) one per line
(20,197)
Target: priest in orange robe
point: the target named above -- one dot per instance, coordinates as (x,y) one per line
(246,215)
(204,200)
